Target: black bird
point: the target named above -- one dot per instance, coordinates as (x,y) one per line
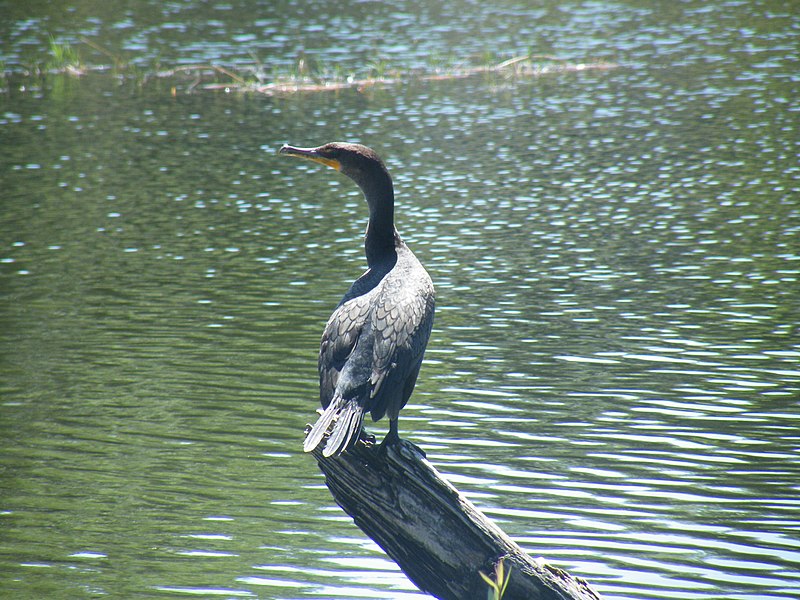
(374,341)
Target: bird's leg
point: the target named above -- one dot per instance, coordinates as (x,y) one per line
(393,437)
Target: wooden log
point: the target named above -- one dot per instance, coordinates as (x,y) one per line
(435,534)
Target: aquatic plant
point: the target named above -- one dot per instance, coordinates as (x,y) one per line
(306,74)
(63,57)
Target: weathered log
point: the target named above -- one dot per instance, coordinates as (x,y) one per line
(436,535)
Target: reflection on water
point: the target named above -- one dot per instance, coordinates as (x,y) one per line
(613,376)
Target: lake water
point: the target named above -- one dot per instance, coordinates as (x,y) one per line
(613,375)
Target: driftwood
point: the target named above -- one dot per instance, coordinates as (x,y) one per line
(436,535)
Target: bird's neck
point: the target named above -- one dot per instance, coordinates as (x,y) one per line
(382,237)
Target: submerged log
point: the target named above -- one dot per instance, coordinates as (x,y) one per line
(436,535)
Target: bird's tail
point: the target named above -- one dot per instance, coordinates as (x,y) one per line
(343,418)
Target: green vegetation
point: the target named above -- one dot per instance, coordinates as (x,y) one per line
(63,57)
(498,584)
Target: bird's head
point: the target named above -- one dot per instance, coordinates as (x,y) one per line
(359,163)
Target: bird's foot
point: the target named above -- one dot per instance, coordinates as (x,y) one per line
(392,438)
(366,438)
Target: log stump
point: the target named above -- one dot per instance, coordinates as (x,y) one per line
(435,534)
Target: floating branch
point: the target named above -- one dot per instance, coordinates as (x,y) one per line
(521,66)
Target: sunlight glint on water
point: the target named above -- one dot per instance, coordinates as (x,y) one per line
(613,372)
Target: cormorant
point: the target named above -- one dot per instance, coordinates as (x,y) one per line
(373,344)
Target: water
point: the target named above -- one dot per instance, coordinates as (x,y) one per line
(613,374)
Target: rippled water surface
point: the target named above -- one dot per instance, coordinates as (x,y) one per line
(613,375)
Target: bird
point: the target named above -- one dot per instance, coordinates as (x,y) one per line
(374,342)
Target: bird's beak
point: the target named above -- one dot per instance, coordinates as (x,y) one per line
(310,154)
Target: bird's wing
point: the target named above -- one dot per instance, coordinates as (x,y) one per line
(401,323)
(338,340)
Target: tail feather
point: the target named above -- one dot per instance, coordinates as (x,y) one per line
(320,428)
(346,427)
(343,418)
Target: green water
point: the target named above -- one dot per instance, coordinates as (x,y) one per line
(613,373)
